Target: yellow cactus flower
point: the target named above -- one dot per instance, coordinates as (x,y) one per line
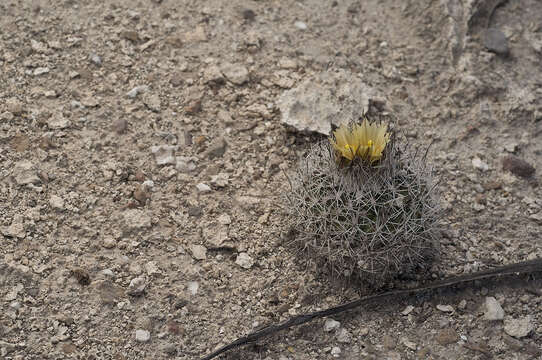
(345,142)
(366,140)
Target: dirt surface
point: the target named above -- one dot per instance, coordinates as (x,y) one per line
(142,161)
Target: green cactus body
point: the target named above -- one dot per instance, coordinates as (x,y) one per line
(362,220)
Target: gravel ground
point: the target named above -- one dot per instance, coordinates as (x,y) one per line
(143,159)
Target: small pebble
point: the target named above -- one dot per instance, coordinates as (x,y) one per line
(142,336)
(203,188)
(199,252)
(137,286)
(300,25)
(493,310)
(495,40)
(479,164)
(95,59)
(244,260)
(519,328)
(517,166)
(331,324)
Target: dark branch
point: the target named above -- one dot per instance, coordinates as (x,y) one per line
(526,267)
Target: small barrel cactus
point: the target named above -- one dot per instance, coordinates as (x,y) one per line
(361,207)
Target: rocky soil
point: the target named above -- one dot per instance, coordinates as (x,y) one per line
(143,154)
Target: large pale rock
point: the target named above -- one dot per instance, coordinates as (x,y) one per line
(331,98)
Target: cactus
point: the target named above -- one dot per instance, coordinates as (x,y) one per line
(369,216)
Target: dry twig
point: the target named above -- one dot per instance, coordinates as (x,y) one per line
(526,267)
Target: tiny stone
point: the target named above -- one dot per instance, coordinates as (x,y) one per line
(152,268)
(511,147)
(142,336)
(493,310)
(56,202)
(136,91)
(248,14)
(336,351)
(199,252)
(14,106)
(25,172)
(137,286)
(479,164)
(218,149)
(95,59)
(203,188)
(244,260)
(109,242)
(237,74)
(407,310)
(519,328)
(213,75)
(152,101)
(517,166)
(331,324)
(494,40)
(135,219)
(300,25)
(164,154)
(193,287)
(185,164)
(445,308)
(58,122)
(343,336)
(41,70)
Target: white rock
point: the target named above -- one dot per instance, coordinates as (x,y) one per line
(213,75)
(135,219)
(224,219)
(108,242)
(236,73)
(330,98)
(445,308)
(336,351)
(15,230)
(41,70)
(343,336)
(479,164)
(493,310)
(244,260)
(300,25)
(164,154)
(185,164)
(152,268)
(137,286)
(407,310)
(199,252)
(152,101)
(193,287)
(58,122)
(142,335)
(203,188)
(519,328)
(24,172)
(331,324)
(136,91)
(56,202)
(220,180)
